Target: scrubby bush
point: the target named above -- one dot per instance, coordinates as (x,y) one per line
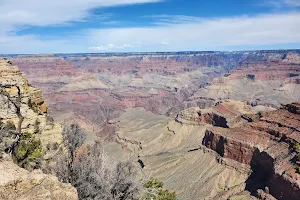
(73,138)
(10,125)
(297,169)
(154,191)
(90,171)
(95,177)
(28,152)
(296,145)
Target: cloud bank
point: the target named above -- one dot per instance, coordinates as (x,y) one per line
(191,33)
(163,33)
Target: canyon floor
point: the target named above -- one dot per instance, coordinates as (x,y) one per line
(203,122)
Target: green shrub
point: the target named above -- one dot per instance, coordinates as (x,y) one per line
(154,191)
(297,169)
(297,157)
(153,183)
(10,125)
(29,152)
(296,145)
(37,127)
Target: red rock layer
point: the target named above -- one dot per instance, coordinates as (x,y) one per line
(265,145)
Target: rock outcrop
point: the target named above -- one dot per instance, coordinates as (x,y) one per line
(17,183)
(25,106)
(23,113)
(268,145)
(226,113)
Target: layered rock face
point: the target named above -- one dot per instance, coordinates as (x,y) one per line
(25,105)
(266,144)
(226,113)
(172,152)
(74,85)
(269,82)
(229,151)
(163,83)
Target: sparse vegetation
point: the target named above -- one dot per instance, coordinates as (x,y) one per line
(297,169)
(296,146)
(73,137)
(95,177)
(29,151)
(10,125)
(89,170)
(154,191)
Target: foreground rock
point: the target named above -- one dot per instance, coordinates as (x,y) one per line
(30,136)
(25,106)
(17,183)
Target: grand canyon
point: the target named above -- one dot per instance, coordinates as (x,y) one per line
(210,125)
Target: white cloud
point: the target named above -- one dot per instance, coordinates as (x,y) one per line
(203,34)
(17,14)
(110,47)
(52,12)
(166,33)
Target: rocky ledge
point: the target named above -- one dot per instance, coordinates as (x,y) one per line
(18,183)
(226,113)
(269,143)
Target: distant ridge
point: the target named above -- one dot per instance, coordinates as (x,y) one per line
(151,53)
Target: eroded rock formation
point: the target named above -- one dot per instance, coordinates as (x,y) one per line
(271,82)
(267,145)
(25,105)
(163,83)
(18,183)
(23,111)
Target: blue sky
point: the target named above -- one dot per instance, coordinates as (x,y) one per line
(70,26)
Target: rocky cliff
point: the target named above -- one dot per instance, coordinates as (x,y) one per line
(25,106)
(30,136)
(228,151)
(269,144)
